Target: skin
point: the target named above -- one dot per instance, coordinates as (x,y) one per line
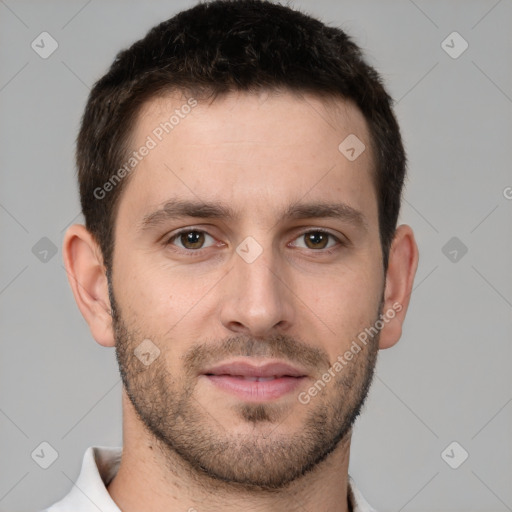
(259,154)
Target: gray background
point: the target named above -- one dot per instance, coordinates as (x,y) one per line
(449,377)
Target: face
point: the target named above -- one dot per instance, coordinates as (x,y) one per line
(247,261)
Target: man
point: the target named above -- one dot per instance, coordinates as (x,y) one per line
(240,175)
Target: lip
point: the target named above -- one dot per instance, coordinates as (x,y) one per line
(240,379)
(246,369)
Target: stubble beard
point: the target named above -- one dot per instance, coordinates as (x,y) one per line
(264,458)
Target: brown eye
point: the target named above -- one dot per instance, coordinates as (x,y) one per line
(316,240)
(191,239)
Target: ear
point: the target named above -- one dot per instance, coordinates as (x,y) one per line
(402,265)
(86,274)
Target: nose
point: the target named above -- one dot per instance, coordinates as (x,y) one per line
(257,297)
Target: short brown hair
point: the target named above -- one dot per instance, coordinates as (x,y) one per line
(216,48)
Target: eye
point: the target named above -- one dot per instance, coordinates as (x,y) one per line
(194,240)
(191,239)
(317,240)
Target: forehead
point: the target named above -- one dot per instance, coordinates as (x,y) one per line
(250,150)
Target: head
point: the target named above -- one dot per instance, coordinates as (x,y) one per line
(240,174)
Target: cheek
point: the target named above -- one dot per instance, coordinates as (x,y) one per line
(143,294)
(344,305)
(162,301)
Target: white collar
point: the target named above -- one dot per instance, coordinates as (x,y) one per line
(100,465)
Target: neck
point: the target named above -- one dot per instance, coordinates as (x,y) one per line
(151,477)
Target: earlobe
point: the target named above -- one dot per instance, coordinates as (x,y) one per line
(403,262)
(86,275)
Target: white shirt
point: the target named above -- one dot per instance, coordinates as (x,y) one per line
(100,465)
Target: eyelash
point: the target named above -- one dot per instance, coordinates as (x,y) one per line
(196,252)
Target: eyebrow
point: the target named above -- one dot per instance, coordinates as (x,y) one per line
(178,208)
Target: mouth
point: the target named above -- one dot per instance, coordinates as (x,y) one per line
(255,383)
